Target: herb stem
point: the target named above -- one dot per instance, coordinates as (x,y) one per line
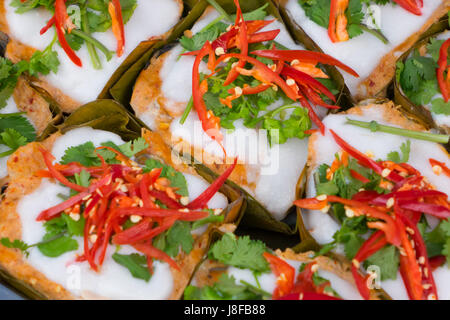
(91,48)
(257,290)
(375,126)
(88,38)
(187,110)
(375,32)
(220,9)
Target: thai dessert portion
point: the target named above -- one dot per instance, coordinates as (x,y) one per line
(240,86)
(368,36)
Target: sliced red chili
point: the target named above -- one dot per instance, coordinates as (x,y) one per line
(337,27)
(285,275)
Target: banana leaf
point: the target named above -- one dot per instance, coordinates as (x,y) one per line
(419,113)
(344,97)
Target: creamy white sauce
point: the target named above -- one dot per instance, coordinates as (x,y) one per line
(267,281)
(364,52)
(273,171)
(150,18)
(322,226)
(113,281)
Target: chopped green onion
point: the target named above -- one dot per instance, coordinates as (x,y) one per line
(220,9)
(187,110)
(108,54)
(375,32)
(375,126)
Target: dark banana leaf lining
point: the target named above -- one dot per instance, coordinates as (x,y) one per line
(344,98)
(419,113)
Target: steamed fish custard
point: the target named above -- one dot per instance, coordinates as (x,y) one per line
(382,200)
(83,42)
(90,222)
(233,88)
(368,35)
(23,111)
(244,269)
(422,79)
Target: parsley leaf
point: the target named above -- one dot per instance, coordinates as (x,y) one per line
(240,252)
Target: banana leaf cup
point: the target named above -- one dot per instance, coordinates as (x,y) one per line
(377,38)
(104,120)
(132,88)
(81,63)
(240,268)
(422,98)
(343,186)
(27,113)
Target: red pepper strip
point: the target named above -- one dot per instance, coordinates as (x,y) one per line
(363,159)
(61,21)
(49,24)
(311,204)
(162,213)
(210,123)
(407,195)
(372,245)
(265,73)
(437,261)
(411,6)
(435,210)
(48,159)
(304,56)
(142,231)
(115,11)
(358,176)
(284,272)
(444,167)
(202,200)
(420,253)
(337,27)
(315,98)
(312,114)
(305,282)
(409,267)
(389,226)
(305,79)
(147,180)
(165,199)
(365,196)
(442,67)
(87,255)
(50,213)
(263,36)
(150,251)
(308,296)
(242,44)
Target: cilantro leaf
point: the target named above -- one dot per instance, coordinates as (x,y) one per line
(387,259)
(439,106)
(405,150)
(240,252)
(16,244)
(178,236)
(176,178)
(197,41)
(135,263)
(54,246)
(225,288)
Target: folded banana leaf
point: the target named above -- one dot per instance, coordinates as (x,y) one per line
(309,43)
(418,112)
